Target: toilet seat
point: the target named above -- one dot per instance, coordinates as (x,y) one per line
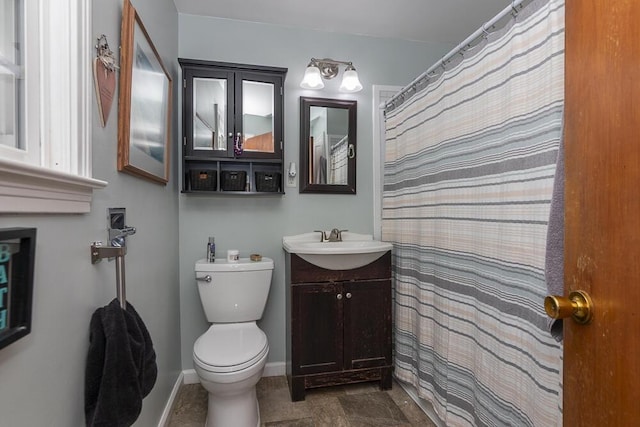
(230,347)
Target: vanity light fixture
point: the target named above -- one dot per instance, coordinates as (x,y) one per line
(328,68)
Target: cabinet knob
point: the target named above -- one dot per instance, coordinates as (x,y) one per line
(348,295)
(339,296)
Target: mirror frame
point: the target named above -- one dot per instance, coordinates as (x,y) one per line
(305,124)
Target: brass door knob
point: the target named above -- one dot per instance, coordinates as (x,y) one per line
(578,306)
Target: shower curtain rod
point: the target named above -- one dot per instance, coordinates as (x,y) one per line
(466,44)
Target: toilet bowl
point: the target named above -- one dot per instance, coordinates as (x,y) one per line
(229,360)
(230,356)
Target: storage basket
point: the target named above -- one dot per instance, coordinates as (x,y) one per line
(233,180)
(203,180)
(268,181)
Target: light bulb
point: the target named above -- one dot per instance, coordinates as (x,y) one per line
(350,81)
(312,78)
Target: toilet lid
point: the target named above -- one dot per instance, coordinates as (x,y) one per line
(230,347)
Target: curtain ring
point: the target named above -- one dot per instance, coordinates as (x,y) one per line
(513,8)
(485,32)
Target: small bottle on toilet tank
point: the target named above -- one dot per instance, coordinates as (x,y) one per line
(211,249)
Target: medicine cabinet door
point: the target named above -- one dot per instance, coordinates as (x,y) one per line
(258,121)
(209,108)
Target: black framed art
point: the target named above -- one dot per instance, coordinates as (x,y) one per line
(17,260)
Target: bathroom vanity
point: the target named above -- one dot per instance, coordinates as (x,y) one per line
(338,324)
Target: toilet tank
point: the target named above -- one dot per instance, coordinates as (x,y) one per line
(237,291)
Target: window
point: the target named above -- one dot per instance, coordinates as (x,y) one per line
(10,76)
(45,94)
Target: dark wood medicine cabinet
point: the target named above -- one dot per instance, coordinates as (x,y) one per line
(232,128)
(328,145)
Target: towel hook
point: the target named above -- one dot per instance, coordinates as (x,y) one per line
(98,252)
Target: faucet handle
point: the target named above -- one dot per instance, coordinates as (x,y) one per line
(340,234)
(323,235)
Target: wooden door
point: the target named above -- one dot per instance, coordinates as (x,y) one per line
(602,213)
(367,324)
(317,322)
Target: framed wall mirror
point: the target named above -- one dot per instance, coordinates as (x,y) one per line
(327,145)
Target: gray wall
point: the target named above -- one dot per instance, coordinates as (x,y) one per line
(257,224)
(42,375)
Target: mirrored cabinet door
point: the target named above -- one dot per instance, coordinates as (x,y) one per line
(328,145)
(210,112)
(208,124)
(259,115)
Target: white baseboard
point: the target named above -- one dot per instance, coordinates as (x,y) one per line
(274,369)
(166,414)
(190,376)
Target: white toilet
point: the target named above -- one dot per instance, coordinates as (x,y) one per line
(229,358)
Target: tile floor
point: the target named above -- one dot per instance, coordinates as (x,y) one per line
(355,405)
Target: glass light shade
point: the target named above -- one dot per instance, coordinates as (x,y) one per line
(350,81)
(312,78)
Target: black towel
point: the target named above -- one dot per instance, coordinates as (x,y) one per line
(121,366)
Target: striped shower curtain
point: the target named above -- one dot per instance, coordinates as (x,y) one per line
(469,169)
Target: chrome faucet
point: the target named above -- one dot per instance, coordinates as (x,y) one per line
(334,236)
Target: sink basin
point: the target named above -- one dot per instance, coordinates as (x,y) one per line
(354,251)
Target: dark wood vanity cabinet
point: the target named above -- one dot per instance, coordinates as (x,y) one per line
(338,325)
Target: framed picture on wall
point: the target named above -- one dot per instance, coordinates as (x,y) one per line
(17,259)
(144,114)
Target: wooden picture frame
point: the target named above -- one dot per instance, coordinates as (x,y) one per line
(17,261)
(144,103)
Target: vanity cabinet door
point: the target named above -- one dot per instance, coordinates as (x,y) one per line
(367,324)
(317,323)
